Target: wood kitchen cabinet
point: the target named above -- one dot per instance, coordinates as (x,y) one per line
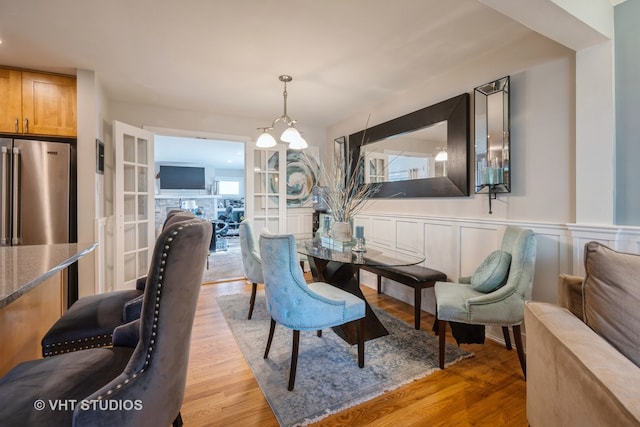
(37,103)
(10,100)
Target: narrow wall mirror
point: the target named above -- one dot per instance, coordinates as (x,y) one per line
(492,138)
(420,154)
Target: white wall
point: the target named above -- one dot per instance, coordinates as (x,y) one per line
(543,192)
(95,202)
(543,144)
(587,27)
(455,234)
(88,126)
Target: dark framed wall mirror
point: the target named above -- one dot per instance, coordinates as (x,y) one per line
(421,154)
(492,138)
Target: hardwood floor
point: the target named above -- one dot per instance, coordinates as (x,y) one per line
(487,389)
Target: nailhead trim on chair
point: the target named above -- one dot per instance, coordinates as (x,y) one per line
(50,351)
(155,318)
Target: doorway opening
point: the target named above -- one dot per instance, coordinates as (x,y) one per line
(204,175)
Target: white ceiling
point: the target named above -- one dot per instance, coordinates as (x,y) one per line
(224,57)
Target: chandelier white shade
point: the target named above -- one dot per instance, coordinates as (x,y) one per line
(265,140)
(291,135)
(299,144)
(442,155)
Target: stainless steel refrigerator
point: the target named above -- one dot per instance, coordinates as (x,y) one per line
(34,192)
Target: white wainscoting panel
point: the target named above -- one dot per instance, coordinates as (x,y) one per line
(623,239)
(457,246)
(299,221)
(441,247)
(383,232)
(410,236)
(476,242)
(552,258)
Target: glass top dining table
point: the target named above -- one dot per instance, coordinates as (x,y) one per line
(340,268)
(371,256)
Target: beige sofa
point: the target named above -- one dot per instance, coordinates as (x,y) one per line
(583,355)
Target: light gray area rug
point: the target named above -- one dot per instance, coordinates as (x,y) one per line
(226,264)
(328,379)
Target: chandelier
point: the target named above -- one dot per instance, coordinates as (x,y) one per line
(290,134)
(442,155)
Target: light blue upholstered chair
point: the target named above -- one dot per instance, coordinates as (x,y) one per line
(251,262)
(460,302)
(297,305)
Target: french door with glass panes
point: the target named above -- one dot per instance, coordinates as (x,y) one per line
(266,178)
(134,203)
(376,167)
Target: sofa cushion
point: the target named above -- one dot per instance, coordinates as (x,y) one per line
(612,297)
(492,273)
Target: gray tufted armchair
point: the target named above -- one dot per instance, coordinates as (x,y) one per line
(90,321)
(140,381)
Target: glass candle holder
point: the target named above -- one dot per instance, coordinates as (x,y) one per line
(359,246)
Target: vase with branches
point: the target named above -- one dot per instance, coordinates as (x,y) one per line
(345,190)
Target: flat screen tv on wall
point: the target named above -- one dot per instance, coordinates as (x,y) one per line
(182,178)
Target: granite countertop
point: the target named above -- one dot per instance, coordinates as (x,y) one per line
(24,267)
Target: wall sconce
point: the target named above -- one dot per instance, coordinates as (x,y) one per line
(492,139)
